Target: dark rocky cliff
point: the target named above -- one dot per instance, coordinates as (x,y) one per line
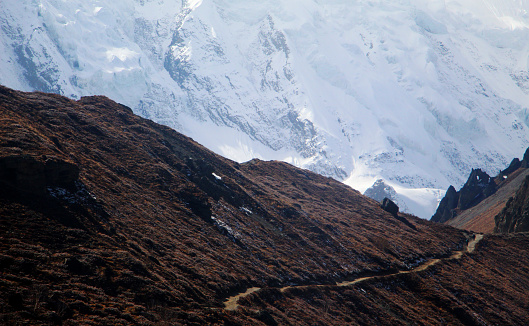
(525,161)
(515,216)
(478,187)
(447,206)
(488,204)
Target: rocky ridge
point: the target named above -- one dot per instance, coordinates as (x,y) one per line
(485,204)
(478,187)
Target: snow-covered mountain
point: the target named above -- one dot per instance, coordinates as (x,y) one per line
(415,92)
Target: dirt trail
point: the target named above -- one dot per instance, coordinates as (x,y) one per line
(472,244)
(231,302)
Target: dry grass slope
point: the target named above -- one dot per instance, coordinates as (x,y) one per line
(108,218)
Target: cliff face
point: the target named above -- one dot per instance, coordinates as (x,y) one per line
(515,216)
(478,187)
(525,161)
(108,218)
(447,206)
(486,204)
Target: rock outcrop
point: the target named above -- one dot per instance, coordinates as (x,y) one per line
(446,209)
(525,160)
(515,165)
(34,175)
(478,187)
(389,206)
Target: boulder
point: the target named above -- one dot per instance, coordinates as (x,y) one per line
(389,206)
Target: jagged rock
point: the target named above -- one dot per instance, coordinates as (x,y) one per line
(525,160)
(515,216)
(446,209)
(478,187)
(389,206)
(515,165)
(380,190)
(468,210)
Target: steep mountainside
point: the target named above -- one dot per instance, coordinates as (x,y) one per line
(515,216)
(108,215)
(486,288)
(478,187)
(476,206)
(412,92)
(108,218)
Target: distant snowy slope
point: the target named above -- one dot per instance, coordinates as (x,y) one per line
(415,93)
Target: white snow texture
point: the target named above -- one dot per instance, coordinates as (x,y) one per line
(413,92)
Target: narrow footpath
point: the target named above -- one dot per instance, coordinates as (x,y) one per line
(231,302)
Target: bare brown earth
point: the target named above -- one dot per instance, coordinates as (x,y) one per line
(231,302)
(480,218)
(110,219)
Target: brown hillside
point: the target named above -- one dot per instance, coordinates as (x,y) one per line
(487,287)
(110,219)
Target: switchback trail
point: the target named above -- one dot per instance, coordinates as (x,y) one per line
(231,302)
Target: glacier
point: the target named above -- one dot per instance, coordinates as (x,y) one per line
(411,92)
